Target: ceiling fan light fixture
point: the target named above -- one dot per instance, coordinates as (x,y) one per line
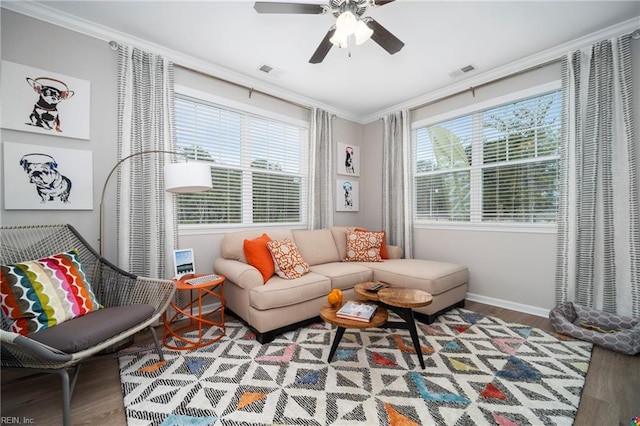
(340,40)
(346,23)
(362,33)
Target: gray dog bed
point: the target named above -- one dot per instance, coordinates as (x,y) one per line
(618,333)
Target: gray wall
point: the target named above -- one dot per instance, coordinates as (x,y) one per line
(34,43)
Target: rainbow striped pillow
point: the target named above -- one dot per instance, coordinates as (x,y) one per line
(39,294)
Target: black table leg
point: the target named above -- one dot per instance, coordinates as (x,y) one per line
(407,315)
(336,341)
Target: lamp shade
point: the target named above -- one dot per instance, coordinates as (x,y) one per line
(346,23)
(340,40)
(362,32)
(187,177)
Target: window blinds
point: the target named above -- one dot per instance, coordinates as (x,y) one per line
(259,166)
(494,165)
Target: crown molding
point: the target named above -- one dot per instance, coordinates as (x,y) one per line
(52,16)
(542,57)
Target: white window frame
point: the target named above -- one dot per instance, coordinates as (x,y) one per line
(475,223)
(220,228)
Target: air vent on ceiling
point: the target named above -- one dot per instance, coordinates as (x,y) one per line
(271,71)
(462,71)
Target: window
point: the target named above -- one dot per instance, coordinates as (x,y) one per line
(497,165)
(258,166)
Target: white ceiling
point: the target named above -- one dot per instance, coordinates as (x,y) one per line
(440,38)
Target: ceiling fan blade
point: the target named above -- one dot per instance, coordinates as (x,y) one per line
(384,38)
(323,48)
(281,7)
(382,2)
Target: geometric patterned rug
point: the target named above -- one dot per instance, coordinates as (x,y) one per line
(480,370)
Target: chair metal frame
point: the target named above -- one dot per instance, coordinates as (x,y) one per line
(111,285)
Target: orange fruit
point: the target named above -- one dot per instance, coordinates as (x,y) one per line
(335,297)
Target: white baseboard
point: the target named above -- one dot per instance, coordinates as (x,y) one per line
(501,303)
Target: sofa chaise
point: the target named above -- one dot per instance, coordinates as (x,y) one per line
(278,305)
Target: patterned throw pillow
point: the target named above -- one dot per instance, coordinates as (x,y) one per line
(364,246)
(383,248)
(287,258)
(40,294)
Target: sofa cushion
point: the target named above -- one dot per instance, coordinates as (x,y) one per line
(344,275)
(280,292)
(317,246)
(363,246)
(39,294)
(259,256)
(89,330)
(428,275)
(232,243)
(288,261)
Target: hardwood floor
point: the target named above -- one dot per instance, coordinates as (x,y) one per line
(611,395)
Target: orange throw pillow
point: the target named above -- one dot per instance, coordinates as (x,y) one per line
(383,248)
(259,256)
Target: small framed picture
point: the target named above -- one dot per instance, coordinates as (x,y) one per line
(184,262)
(348,159)
(347,195)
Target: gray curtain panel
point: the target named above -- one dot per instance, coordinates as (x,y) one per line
(321,192)
(147,231)
(598,225)
(397,178)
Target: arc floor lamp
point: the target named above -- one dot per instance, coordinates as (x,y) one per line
(178,177)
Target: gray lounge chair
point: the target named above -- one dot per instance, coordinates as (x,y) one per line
(131,304)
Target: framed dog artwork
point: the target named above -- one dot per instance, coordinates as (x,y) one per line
(40,177)
(41,101)
(347,195)
(348,159)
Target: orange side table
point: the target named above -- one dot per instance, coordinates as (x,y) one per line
(197,320)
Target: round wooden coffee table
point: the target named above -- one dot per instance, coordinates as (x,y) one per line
(328,313)
(401,301)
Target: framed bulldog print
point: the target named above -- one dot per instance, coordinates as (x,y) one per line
(42,101)
(40,177)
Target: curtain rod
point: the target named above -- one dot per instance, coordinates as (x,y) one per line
(114,46)
(241,86)
(495,80)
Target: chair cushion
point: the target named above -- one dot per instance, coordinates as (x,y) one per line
(89,330)
(39,294)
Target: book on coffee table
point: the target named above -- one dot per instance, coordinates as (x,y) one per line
(357,311)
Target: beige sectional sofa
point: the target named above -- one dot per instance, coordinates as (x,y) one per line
(279,304)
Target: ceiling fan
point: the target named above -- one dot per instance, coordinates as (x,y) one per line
(349,21)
